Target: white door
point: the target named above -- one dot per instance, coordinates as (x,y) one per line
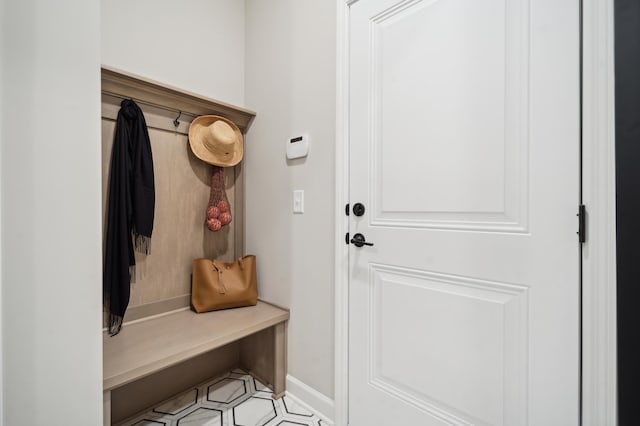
(464,151)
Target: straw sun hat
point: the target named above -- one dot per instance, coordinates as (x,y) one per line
(216,140)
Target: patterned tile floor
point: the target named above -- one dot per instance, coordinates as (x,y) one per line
(235,399)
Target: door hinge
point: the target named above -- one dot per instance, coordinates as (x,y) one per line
(582,223)
(346,209)
(346,238)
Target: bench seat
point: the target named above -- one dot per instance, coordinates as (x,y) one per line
(149,345)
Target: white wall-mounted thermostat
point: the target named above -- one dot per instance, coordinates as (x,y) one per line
(298,146)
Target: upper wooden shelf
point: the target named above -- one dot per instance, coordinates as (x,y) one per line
(125,85)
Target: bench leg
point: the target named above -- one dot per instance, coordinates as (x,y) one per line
(279,360)
(106,408)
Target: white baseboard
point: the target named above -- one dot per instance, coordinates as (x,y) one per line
(310,398)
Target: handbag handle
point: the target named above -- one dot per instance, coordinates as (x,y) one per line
(221,288)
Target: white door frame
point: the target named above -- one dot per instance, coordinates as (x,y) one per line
(599,396)
(599,315)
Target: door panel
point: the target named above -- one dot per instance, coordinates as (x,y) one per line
(474,352)
(470,61)
(464,137)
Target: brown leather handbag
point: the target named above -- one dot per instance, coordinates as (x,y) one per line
(220,285)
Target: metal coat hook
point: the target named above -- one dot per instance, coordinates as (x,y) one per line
(176,122)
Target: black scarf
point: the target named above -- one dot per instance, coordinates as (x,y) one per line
(131,206)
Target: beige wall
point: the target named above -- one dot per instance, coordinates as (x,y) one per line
(1,137)
(278,59)
(50,215)
(290,82)
(196,45)
(51,262)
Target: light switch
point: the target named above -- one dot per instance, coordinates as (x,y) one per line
(298,201)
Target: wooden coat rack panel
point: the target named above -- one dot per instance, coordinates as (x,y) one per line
(182,190)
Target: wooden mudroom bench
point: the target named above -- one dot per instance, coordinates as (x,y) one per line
(148,346)
(164,347)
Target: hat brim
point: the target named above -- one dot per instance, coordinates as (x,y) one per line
(200,125)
